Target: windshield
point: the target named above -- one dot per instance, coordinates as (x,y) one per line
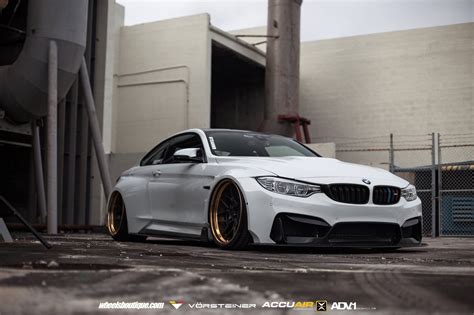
(238,143)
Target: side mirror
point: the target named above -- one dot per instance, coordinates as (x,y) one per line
(192,155)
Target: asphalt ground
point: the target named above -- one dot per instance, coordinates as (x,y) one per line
(83,270)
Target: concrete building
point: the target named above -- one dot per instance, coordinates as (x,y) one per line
(363,87)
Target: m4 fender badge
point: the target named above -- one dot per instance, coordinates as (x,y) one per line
(365,180)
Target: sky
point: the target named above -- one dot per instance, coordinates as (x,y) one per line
(320,19)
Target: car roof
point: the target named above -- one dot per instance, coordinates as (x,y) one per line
(224,129)
(205,130)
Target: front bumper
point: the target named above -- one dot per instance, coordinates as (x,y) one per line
(294,229)
(333,223)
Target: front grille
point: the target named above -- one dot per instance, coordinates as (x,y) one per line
(348,193)
(386,195)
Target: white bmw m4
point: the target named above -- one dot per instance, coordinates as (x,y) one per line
(239,187)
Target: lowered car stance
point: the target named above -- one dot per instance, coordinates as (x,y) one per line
(236,188)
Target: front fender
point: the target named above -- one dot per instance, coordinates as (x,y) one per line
(134,194)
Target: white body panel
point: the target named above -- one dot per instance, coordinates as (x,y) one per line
(176,201)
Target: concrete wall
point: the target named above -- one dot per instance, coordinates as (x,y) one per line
(163,81)
(358,90)
(407,82)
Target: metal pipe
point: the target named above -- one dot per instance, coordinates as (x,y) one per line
(61,131)
(95,129)
(440,186)
(433,186)
(307,135)
(391,155)
(52,139)
(32,200)
(282,64)
(71,161)
(83,180)
(297,131)
(39,172)
(25,223)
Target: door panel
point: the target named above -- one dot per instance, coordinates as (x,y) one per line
(177,194)
(176,189)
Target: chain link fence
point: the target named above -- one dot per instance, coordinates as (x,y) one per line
(440,166)
(413,159)
(456,191)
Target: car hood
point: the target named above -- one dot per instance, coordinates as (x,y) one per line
(320,169)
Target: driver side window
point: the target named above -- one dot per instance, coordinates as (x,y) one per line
(186,141)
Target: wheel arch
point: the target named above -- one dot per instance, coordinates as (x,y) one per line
(213,188)
(133,190)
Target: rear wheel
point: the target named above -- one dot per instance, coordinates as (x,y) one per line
(117,220)
(228,216)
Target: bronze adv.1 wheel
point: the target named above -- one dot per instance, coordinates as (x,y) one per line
(228,216)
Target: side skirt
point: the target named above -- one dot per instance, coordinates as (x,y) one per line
(173,230)
(168,234)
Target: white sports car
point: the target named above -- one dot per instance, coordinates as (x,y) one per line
(239,187)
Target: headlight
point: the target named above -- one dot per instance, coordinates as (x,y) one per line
(409,193)
(288,187)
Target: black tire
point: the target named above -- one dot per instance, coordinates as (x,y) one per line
(228,216)
(117,221)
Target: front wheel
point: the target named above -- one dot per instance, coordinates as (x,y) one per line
(228,216)
(117,220)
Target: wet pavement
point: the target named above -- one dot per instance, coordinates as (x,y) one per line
(83,270)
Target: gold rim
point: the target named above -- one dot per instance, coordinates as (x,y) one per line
(116,213)
(226,212)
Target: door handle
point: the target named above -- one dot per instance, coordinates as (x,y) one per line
(156,173)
